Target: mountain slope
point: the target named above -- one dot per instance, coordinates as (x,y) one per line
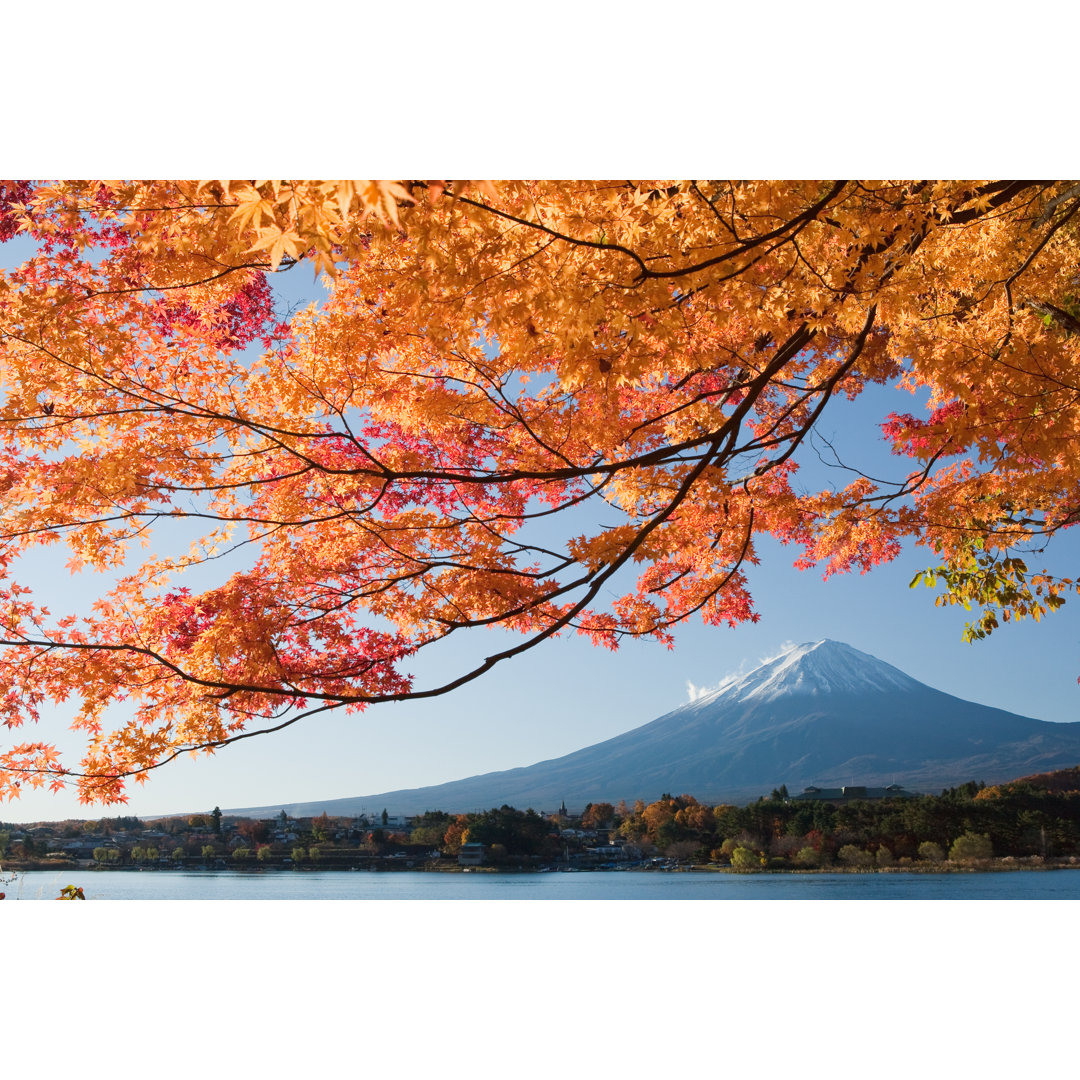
(823,713)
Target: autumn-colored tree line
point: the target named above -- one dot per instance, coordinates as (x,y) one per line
(1022,818)
(1034,816)
(1038,816)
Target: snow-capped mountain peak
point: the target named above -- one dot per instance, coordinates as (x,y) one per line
(816,667)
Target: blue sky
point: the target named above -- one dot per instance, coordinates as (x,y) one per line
(568,694)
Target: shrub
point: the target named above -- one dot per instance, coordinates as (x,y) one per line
(743,858)
(743,840)
(807,856)
(970,846)
(850,855)
(930,851)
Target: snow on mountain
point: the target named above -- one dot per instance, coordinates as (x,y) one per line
(818,667)
(823,713)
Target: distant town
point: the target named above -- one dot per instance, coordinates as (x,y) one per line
(1034,821)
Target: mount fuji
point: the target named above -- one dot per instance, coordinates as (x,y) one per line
(823,713)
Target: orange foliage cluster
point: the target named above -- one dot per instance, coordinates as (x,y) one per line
(1062,781)
(491,357)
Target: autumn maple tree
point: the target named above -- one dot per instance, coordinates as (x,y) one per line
(546,407)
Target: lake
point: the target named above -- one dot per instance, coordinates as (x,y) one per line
(623,885)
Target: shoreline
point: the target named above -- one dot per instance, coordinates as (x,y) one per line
(1003,865)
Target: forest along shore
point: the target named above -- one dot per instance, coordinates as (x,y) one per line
(1006,864)
(1031,823)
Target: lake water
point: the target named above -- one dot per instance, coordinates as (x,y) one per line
(624,885)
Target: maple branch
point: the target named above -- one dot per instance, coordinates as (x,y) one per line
(285,264)
(208,745)
(644,272)
(1070,193)
(1001,192)
(797,437)
(1067,322)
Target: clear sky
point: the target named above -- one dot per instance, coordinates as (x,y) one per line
(568,694)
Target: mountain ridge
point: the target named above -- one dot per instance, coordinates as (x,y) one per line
(822,713)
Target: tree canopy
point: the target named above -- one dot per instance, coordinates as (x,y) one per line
(550,407)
